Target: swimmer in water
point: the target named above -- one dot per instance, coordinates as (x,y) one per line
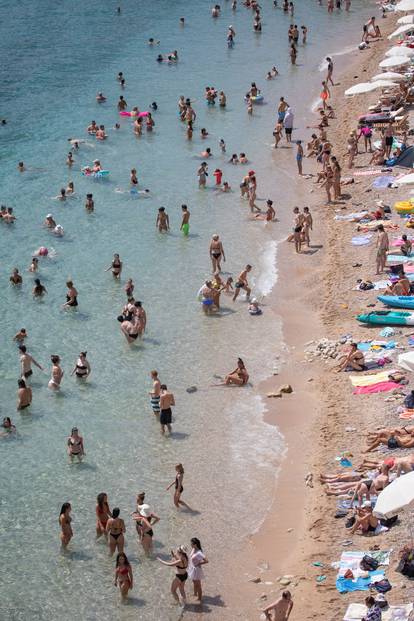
(20,336)
(75,446)
(152,41)
(203,132)
(226,187)
(90,203)
(206,153)
(8,427)
(116,266)
(38,290)
(100,98)
(34,266)
(61,196)
(185,222)
(71,296)
(57,373)
(154,106)
(82,368)
(122,104)
(24,395)
(15,277)
(21,167)
(163,221)
(222,145)
(69,160)
(71,188)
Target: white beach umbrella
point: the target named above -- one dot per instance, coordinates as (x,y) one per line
(405,5)
(396,497)
(389,75)
(384,83)
(395,61)
(406,180)
(401,30)
(359,89)
(407,19)
(400,50)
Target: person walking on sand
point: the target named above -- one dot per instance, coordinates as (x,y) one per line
(280,609)
(383,246)
(178,487)
(241,283)
(299,156)
(216,253)
(166,402)
(155,392)
(307,225)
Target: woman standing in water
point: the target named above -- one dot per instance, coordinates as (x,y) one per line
(103,513)
(115,526)
(116,266)
(178,483)
(180,562)
(75,445)
(123,574)
(196,560)
(64,521)
(82,367)
(57,373)
(147,520)
(71,296)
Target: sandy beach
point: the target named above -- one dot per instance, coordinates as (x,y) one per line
(319,301)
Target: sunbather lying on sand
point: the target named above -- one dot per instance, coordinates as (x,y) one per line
(394,438)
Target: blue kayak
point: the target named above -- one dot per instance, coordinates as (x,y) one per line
(388,318)
(397,301)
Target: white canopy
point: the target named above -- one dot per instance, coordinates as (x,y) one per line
(396,497)
(359,89)
(395,61)
(407,19)
(406,180)
(389,75)
(384,83)
(401,30)
(406,360)
(405,5)
(400,50)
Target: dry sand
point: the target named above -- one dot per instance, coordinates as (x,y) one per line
(318,301)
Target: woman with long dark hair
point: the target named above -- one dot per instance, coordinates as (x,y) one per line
(64,521)
(123,574)
(195,571)
(179,560)
(103,513)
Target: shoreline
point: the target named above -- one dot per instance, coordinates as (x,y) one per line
(282,544)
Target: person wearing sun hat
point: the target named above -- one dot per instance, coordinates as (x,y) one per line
(49,221)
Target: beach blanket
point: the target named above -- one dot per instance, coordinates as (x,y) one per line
(350,559)
(399,242)
(380,387)
(409,269)
(399,612)
(361,240)
(369,173)
(370,380)
(345,585)
(399,258)
(351,217)
(381,284)
(406,415)
(372,226)
(383,182)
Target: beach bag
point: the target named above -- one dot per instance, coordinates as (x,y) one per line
(408,569)
(383,586)
(388,522)
(368,563)
(392,443)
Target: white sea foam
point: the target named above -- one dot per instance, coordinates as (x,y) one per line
(268,270)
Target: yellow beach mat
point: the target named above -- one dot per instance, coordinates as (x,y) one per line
(369,380)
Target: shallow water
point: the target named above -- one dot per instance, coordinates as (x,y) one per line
(56,58)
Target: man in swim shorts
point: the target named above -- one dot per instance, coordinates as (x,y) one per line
(155,392)
(166,402)
(26,361)
(281,109)
(241,283)
(185,222)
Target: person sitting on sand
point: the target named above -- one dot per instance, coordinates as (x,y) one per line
(407,246)
(378,157)
(353,360)
(238,377)
(365,520)
(372,485)
(400,287)
(313,146)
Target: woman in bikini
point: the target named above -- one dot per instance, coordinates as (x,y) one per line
(147,520)
(115,527)
(216,253)
(82,367)
(116,266)
(238,377)
(178,487)
(103,513)
(64,521)
(180,562)
(75,445)
(123,574)
(57,374)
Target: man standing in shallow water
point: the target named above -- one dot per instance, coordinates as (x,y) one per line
(185,222)
(155,392)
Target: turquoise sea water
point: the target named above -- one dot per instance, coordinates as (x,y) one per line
(56,57)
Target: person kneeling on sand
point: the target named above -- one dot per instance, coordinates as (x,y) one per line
(280,609)
(354,360)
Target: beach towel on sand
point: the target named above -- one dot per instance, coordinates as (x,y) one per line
(399,258)
(369,380)
(370,390)
(345,585)
(407,415)
(399,612)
